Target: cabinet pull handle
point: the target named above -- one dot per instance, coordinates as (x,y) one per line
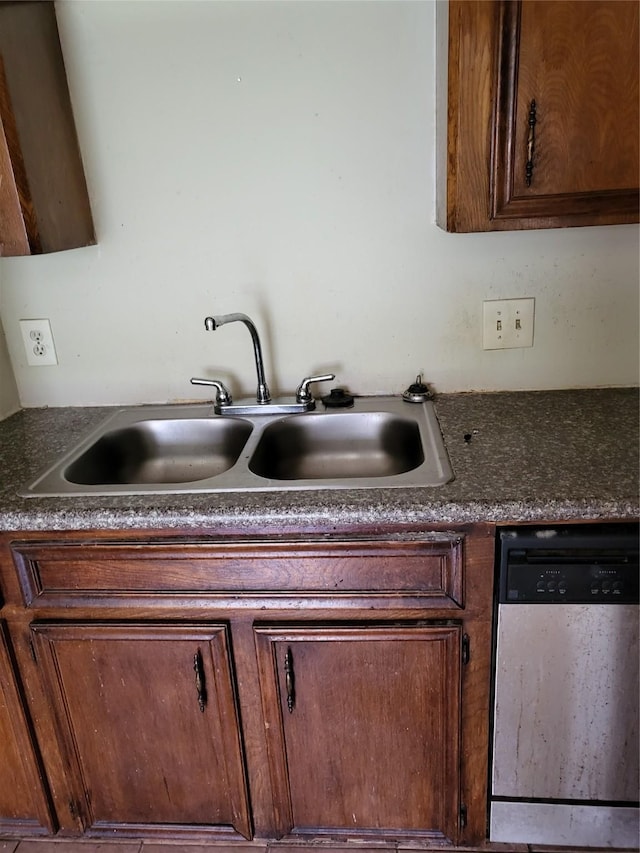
(466,649)
(201,688)
(531,143)
(289,679)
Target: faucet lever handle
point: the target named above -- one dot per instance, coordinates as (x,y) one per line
(223,396)
(303,394)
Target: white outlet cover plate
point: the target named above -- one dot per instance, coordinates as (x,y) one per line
(38,342)
(507,323)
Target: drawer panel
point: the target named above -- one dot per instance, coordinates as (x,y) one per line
(430,567)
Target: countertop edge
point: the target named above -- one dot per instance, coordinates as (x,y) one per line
(472,512)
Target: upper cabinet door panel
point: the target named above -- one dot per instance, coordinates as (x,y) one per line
(14,239)
(543,118)
(567,113)
(578,59)
(48,208)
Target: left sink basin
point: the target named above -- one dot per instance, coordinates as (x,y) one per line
(147,450)
(161,451)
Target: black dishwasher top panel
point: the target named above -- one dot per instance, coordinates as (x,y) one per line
(573,564)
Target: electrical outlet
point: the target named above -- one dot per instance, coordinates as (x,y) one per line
(38,342)
(507,323)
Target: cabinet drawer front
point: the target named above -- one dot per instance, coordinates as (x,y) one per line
(429,568)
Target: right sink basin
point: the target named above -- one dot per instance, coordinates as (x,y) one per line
(344,446)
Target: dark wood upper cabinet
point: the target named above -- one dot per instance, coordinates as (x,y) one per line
(44,205)
(543,115)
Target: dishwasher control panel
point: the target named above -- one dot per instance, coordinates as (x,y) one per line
(572,565)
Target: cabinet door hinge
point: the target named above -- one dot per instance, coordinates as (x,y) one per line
(466,648)
(32,649)
(463,816)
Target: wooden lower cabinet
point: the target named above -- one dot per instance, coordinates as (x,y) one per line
(364,728)
(24,807)
(202,689)
(148,722)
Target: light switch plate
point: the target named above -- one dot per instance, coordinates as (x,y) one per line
(507,323)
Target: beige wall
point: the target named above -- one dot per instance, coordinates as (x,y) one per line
(279,159)
(9,402)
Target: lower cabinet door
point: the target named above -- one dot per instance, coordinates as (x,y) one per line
(24,805)
(148,722)
(363,728)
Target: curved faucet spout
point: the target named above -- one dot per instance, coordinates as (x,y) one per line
(212,323)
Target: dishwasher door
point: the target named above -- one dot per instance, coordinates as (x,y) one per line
(565,767)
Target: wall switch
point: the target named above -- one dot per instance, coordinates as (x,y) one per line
(507,323)
(38,342)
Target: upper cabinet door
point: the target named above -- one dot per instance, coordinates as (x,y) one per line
(44,205)
(543,118)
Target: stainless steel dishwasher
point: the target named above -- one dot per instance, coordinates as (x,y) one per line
(565,714)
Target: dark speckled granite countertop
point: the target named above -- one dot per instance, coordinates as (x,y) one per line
(533,456)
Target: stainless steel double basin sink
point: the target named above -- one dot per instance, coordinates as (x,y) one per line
(380,442)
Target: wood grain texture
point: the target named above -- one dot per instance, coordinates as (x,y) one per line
(14,199)
(24,806)
(471,86)
(579,62)
(476,681)
(401,644)
(369,742)
(45,152)
(429,568)
(147,756)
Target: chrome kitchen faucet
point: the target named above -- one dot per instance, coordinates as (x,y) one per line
(224,405)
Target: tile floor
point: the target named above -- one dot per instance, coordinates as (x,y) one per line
(26,845)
